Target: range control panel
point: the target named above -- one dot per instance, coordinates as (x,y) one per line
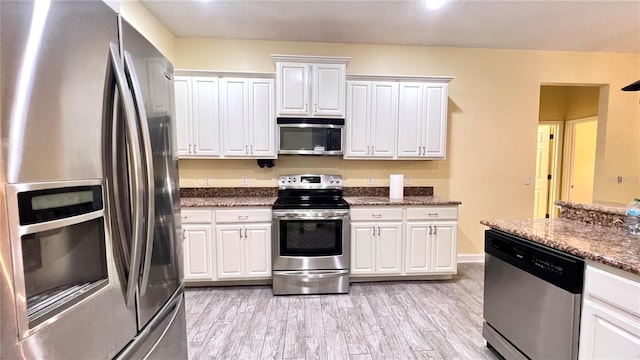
(310,181)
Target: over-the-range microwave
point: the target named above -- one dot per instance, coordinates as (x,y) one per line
(310,136)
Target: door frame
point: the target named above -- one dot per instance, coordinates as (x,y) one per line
(557,153)
(567,158)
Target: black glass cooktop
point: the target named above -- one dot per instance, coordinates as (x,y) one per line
(310,199)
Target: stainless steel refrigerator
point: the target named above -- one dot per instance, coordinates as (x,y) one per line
(90,245)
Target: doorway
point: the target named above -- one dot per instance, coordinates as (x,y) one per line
(565,147)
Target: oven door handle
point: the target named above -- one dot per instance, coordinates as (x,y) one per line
(307,217)
(315,274)
(324,215)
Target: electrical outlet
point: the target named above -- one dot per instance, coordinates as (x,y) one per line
(370,180)
(244,180)
(206,181)
(407,180)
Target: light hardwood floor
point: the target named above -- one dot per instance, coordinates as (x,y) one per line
(377,320)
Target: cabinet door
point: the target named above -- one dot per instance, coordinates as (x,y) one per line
(182,87)
(328,90)
(418,248)
(262,122)
(229,251)
(435,120)
(410,120)
(608,333)
(357,120)
(258,250)
(384,118)
(198,255)
(206,123)
(389,248)
(292,88)
(363,248)
(234,113)
(444,257)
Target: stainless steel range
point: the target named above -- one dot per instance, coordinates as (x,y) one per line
(310,240)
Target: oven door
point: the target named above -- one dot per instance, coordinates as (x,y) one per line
(310,239)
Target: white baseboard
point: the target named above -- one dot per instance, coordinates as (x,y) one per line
(471,258)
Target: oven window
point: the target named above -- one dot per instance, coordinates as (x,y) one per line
(310,237)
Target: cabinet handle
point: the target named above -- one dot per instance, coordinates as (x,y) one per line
(306,107)
(435,230)
(316,107)
(243,217)
(377,216)
(378,230)
(240,230)
(184,234)
(372,150)
(195,147)
(189,148)
(185,217)
(245,233)
(433,214)
(424,151)
(251,146)
(246,149)
(368,150)
(374,230)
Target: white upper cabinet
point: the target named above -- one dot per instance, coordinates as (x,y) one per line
(197,116)
(247,116)
(422,120)
(372,118)
(308,86)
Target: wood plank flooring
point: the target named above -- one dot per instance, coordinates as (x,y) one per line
(377,320)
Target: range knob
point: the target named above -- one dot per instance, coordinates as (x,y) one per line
(331,179)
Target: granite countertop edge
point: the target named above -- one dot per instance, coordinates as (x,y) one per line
(524,228)
(230,201)
(407,200)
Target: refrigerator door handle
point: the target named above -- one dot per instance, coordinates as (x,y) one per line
(148,170)
(136,186)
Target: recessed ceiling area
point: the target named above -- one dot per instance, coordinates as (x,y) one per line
(608,26)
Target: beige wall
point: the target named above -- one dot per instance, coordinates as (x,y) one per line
(493,116)
(145,22)
(560,103)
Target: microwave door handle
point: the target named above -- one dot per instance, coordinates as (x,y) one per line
(137,193)
(148,170)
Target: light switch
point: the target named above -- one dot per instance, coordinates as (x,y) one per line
(527,180)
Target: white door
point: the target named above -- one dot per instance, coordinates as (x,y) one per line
(410,120)
(357,120)
(435,120)
(198,256)
(229,249)
(607,334)
(292,89)
(389,248)
(384,118)
(418,251)
(206,123)
(444,247)
(328,90)
(363,248)
(234,115)
(262,122)
(581,143)
(182,86)
(258,250)
(541,192)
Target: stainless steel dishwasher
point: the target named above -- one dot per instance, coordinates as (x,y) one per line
(532,297)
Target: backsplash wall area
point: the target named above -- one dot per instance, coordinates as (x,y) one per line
(229,173)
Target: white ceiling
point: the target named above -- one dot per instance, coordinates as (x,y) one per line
(611,26)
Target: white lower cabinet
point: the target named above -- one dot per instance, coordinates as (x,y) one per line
(412,240)
(610,320)
(197,245)
(243,248)
(376,248)
(227,244)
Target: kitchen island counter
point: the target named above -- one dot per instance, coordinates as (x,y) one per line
(606,245)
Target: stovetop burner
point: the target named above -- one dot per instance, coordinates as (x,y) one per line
(310,192)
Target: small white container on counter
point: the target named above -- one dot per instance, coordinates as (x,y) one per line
(396,187)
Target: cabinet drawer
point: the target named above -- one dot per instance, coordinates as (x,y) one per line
(616,290)
(195,216)
(244,215)
(376,213)
(432,213)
